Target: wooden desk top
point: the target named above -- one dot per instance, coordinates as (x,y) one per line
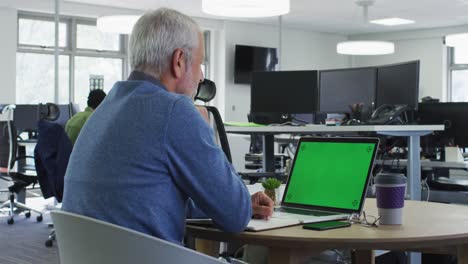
(425,225)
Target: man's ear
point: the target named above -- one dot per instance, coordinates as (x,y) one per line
(178,63)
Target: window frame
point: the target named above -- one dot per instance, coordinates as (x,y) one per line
(452,67)
(70,48)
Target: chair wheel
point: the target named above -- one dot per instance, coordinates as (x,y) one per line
(10,221)
(39,218)
(49,243)
(27,214)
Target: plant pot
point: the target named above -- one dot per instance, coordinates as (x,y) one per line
(271,194)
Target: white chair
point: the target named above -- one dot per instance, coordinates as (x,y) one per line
(82,239)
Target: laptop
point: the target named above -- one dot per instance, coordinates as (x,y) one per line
(328,181)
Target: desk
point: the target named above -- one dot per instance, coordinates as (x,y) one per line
(427,163)
(412,132)
(427,227)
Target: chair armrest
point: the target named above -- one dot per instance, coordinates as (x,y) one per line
(22,157)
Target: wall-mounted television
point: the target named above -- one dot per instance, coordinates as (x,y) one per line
(249,59)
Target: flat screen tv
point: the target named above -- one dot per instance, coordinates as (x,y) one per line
(249,59)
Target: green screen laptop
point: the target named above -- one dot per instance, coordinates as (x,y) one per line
(328,181)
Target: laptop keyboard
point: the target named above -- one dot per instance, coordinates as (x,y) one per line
(302,212)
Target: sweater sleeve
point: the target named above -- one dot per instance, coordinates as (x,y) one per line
(201,170)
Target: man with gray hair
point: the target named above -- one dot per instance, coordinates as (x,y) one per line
(146,153)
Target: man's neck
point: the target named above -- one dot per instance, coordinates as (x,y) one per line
(163,78)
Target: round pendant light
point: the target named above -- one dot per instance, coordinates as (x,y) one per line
(245,8)
(365,47)
(122,24)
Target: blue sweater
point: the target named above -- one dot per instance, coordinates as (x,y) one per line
(140,157)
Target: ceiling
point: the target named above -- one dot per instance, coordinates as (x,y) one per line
(333,16)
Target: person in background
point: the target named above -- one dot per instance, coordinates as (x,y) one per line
(146,159)
(76,123)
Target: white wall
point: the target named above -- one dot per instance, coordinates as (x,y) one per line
(431,54)
(424,45)
(8,55)
(301,50)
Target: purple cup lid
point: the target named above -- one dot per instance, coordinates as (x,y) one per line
(389,178)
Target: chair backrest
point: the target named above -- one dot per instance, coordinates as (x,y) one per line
(8,139)
(206,92)
(49,111)
(86,240)
(221,132)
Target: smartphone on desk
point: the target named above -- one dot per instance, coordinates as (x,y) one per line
(326,225)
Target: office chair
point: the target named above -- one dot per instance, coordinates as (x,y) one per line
(19,178)
(205,93)
(83,239)
(51,155)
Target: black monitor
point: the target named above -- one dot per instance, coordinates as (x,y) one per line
(64,114)
(343,87)
(26,117)
(284,92)
(249,59)
(453,115)
(398,84)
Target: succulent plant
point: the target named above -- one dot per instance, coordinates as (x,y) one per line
(271,184)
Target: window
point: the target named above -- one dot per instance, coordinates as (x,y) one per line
(40,33)
(84,52)
(35,76)
(111,69)
(89,37)
(205,67)
(458,74)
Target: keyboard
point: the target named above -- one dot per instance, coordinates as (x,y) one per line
(298,211)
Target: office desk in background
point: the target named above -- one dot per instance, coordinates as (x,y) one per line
(411,132)
(427,227)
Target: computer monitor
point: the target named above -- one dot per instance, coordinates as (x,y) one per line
(398,84)
(284,92)
(26,117)
(453,115)
(64,114)
(343,87)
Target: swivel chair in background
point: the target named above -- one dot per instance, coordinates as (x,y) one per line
(205,93)
(51,156)
(20,178)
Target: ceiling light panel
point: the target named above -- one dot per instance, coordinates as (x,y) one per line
(394,21)
(365,47)
(246,8)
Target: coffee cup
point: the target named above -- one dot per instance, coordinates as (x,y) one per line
(390,192)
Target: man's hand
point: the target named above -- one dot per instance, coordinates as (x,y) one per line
(262,206)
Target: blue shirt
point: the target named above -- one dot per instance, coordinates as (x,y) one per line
(140,157)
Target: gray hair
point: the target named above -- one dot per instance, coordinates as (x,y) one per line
(157,34)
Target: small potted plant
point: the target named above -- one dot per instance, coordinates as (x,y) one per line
(270,185)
